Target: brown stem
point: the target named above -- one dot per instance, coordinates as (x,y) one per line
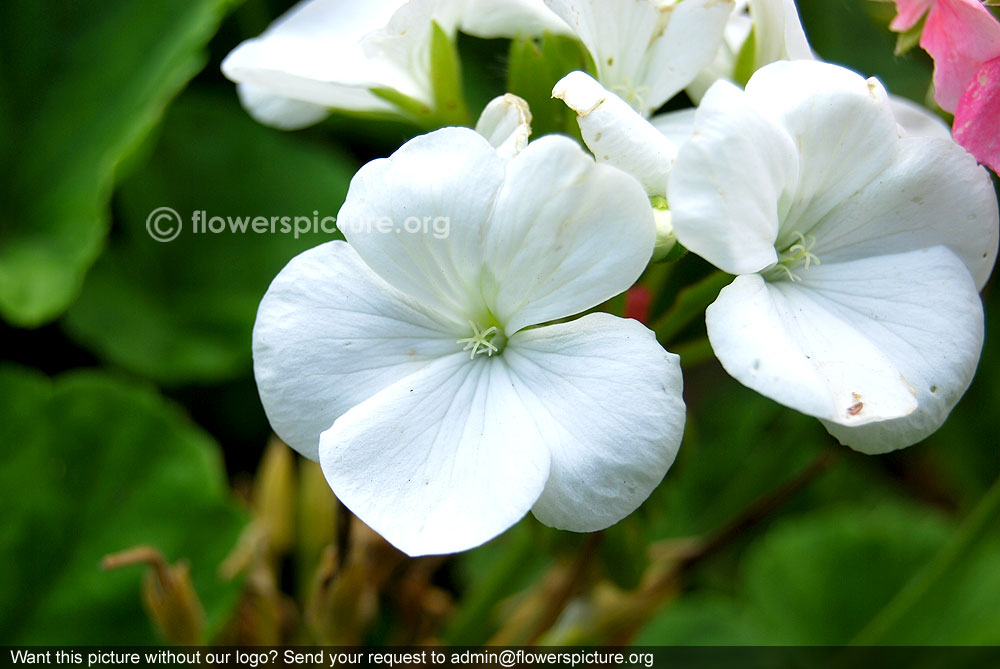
(562,596)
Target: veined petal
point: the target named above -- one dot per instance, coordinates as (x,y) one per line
(933,194)
(506,124)
(908,13)
(565,235)
(842,126)
(278,112)
(617,33)
(510,18)
(728,180)
(418,218)
(692,37)
(608,405)
(960,35)
(976,117)
(329,334)
(616,134)
(858,343)
(441,461)
(312,54)
(778,32)
(932,331)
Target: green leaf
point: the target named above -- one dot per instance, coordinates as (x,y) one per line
(821,578)
(818,579)
(449,107)
(183,311)
(93,466)
(534,67)
(910,38)
(82,84)
(446,75)
(962,579)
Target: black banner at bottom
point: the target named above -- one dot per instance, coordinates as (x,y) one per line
(391,657)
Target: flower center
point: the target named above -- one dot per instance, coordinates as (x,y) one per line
(798,254)
(488,341)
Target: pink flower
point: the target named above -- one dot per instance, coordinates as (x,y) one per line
(963,38)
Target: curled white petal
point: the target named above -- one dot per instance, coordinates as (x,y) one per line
(506,124)
(616,134)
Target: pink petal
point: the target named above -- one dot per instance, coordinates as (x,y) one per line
(976,121)
(908,12)
(960,35)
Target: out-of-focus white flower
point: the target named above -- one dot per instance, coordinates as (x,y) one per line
(358,56)
(859,252)
(415,362)
(647,51)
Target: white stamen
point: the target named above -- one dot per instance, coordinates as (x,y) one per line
(479,342)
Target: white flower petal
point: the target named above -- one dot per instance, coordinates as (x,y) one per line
(842,125)
(278,112)
(676,126)
(442,461)
(778,32)
(643,51)
(933,194)
(329,334)
(916,120)
(312,54)
(418,217)
(565,235)
(617,33)
(608,404)
(690,42)
(506,125)
(889,341)
(728,180)
(616,134)
(510,18)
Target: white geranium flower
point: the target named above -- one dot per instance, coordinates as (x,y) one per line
(332,54)
(416,365)
(778,35)
(618,135)
(859,252)
(647,51)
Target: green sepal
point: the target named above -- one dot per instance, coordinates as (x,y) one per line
(746,59)
(910,38)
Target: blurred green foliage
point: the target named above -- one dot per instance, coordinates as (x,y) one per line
(82,84)
(93,466)
(183,311)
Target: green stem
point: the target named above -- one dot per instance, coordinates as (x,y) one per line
(980,521)
(691,302)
